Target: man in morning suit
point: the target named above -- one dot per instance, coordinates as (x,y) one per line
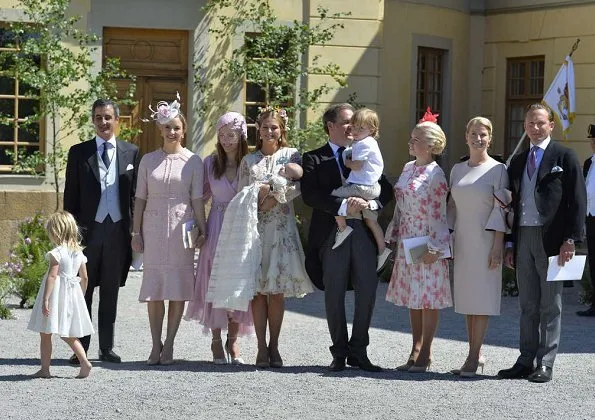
(99,191)
(589,173)
(549,202)
(355,260)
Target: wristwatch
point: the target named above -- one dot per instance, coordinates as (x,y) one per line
(133,234)
(570,241)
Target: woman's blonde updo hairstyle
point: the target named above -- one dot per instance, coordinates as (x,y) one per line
(434,136)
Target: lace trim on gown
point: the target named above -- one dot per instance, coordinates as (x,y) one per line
(239,253)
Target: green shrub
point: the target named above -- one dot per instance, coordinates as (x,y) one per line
(26,265)
(5,289)
(310,137)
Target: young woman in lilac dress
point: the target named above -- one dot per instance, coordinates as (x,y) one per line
(220,185)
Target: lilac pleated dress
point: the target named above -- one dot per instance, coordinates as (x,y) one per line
(220,191)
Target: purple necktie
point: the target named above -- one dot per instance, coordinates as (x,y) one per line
(532,164)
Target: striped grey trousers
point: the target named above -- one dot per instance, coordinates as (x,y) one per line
(540,301)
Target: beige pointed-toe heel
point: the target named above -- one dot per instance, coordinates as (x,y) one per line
(420,369)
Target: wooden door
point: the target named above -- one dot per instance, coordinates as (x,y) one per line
(149,91)
(159,60)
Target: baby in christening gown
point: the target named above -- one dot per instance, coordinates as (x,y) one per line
(279,183)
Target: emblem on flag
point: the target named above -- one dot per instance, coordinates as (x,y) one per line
(560,96)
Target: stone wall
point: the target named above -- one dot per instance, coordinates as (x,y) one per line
(16,206)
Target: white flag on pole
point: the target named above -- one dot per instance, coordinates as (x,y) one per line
(560,97)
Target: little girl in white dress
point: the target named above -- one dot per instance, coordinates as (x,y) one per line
(60,306)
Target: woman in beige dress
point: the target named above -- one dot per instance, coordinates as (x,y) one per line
(479,224)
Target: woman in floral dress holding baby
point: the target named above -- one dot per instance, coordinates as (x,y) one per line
(282,271)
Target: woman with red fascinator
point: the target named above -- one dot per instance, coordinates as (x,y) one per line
(423,284)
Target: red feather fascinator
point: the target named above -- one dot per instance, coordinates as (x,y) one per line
(428,116)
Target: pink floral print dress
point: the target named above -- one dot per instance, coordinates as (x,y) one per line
(420,210)
(282,267)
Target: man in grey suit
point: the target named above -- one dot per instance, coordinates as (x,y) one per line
(549,202)
(99,192)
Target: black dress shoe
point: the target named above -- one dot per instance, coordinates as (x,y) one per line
(363,363)
(337,365)
(109,356)
(74,360)
(517,371)
(541,374)
(587,312)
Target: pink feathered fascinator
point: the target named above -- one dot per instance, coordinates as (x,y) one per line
(166,112)
(236,120)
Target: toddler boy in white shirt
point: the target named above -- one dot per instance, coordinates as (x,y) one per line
(366,166)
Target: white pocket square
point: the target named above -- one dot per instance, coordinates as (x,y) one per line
(130,167)
(556,169)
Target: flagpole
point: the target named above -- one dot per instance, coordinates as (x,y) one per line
(518,145)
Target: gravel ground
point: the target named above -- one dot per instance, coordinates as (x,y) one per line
(195,388)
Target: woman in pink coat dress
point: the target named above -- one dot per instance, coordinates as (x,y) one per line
(168,195)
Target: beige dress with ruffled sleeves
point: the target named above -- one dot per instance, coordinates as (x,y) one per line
(475,216)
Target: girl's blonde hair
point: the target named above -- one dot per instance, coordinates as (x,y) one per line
(434,136)
(368,118)
(481,121)
(62,229)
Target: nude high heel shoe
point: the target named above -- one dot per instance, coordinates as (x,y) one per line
(230,358)
(406,366)
(262,358)
(217,360)
(481,362)
(151,361)
(420,369)
(166,357)
(275,359)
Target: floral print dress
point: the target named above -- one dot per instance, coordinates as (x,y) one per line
(420,210)
(282,267)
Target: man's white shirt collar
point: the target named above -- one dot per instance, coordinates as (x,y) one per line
(99,142)
(543,144)
(334,147)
